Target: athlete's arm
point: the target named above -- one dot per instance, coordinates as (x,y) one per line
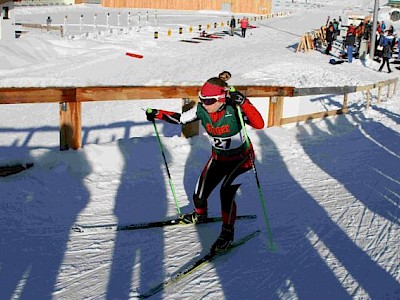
(177,118)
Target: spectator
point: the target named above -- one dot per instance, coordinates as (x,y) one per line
(391,30)
(232,25)
(378,27)
(350,40)
(243,25)
(336,27)
(48,21)
(330,32)
(383,26)
(359,34)
(379,45)
(386,52)
(363,48)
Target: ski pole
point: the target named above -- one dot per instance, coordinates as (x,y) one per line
(272,245)
(166,166)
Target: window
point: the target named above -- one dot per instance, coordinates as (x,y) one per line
(6,13)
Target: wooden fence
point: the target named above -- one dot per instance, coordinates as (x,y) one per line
(70,99)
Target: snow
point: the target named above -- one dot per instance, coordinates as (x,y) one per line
(331,187)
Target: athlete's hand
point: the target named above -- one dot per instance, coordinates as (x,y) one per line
(151,114)
(237,97)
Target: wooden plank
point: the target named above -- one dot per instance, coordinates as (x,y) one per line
(70,125)
(83,94)
(311,116)
(379,94)
(335,90)
(275,111)
(191,129)
(266,91)
(345,107)
(36,95)
(135,92)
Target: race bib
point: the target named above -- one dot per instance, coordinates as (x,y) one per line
(228,143)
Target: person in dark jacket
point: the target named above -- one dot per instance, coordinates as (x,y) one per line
(350,40)
(330,34)
(232,25)
(386,42)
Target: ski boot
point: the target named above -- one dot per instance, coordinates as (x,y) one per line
(193,218)
(224,240)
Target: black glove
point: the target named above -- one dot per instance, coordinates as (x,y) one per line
(237,97)
(151,114)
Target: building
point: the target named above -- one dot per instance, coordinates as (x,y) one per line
(7,30)
(235,6)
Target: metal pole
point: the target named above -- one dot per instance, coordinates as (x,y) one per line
(373,32)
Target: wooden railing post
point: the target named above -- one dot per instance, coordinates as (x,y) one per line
(345,108)
(275,111)
(368,99)
(191,129)
(70,125)
(379,94)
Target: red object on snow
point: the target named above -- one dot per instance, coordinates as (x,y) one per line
(134,55)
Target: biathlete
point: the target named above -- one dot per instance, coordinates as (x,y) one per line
(230,154)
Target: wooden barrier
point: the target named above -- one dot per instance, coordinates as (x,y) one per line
(307,40)
(70,98)
(70,102)
(46,27)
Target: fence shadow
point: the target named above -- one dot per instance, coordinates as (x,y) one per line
(35,230)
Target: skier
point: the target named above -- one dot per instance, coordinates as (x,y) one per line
(230,154)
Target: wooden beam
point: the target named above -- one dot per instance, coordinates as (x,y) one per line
(70,125)
(275,111)
(335,90)
(311,116)
(83,94)
(36,95)
(191,129)
(135,92)
(379,94)
(345,107)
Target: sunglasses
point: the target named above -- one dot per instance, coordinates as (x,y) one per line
(211,99)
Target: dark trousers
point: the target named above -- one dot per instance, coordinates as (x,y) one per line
(244,32)
(213,173)
(385,59)
(328,48)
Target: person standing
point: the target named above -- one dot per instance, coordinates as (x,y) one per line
(350,40)
(363,50)
(330,32)
(386,52)
(232,25)
(231,155)
(243,25)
